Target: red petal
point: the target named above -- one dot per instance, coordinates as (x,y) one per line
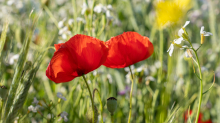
(60,68)
(89,52)
(127,49)
(78,56)
(57,46)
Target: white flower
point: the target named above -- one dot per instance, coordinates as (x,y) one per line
(84,8)
(60,95)
(32,108)
(13,59)
(100,8)
(150,78)
(204,33)
(170,50)
(109,7)
(70,21)
(61,23)
(35,101)
(178,41)
(109,77)
(79,19)
(64,116)
(181,31)
(49,116)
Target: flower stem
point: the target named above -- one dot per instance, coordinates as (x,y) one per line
(132,84)
(112,118)
(90,94)
(100,101)
(201,87)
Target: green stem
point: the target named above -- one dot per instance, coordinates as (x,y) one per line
(90,94)
(132,84)
(100,101)
(156,93)
(201,87)
(112,118)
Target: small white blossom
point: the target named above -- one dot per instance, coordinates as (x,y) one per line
(63,30)
(61,23)
(13,58)
(70,21)
(150,78)
(49,116)
(178,41)
(79,19)
(63,116)
(100,8)
(181,31)
(204,33)
(32,108)
(60,95)
(35,101)
(170,50)
(109,77)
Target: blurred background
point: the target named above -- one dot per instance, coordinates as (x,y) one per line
(165,87)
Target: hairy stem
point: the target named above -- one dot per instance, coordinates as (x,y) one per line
(132,84)
(90,94)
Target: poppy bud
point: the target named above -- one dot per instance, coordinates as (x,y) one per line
(111,105)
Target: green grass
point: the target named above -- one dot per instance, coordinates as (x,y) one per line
(165,99)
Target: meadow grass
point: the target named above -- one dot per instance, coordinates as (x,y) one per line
(165,88)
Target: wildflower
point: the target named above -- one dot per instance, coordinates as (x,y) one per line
(49,116)
(170,12)
(179,40)
(35,101)
(186,115)
(109,77)
(32,108)
(13,58)
(61,23)
(100,8)
(204,33)
(127,49)
(123,92)
(79,19)
(171,48)
(80,55)
(60,95)
(181,31)
(63,116)
(104,9)
(70,21)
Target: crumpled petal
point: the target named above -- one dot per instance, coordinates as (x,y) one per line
(80,55)
(127,49)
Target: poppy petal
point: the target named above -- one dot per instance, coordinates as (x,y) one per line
(57,46)
(90,53)
(80,55)
(127,49)
(60,67)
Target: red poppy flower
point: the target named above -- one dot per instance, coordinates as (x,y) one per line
(127,49)
(80,55)
(186,115)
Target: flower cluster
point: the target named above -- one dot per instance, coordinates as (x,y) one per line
(183,36)
(83,54)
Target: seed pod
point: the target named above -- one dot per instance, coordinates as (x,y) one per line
(111,105)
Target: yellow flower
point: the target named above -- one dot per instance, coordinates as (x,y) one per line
(171,11)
